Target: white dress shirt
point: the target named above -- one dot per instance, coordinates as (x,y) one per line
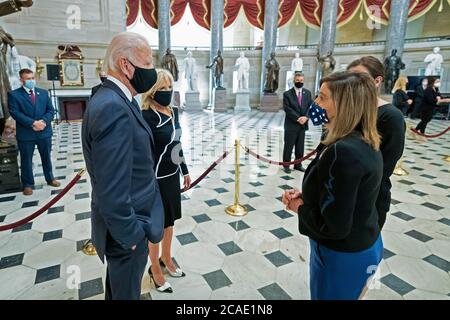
(122,87)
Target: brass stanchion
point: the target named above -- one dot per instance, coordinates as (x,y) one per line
(399,171)
(89,248)
(447,158)
(236,209)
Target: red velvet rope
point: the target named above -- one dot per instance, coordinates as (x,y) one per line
(46,207)
(298,161)
(215,163)
(431,135)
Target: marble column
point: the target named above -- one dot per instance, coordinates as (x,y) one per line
(396,32)
(327,34)
(217,19)
(270,35)
(163,26)
(328,26)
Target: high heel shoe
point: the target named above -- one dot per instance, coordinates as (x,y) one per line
(178,272)
(166,287)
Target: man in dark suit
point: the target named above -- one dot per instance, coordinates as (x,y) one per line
(127,209)
(103,76)
(296,102)
(32,109)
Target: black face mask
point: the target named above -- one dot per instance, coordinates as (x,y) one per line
(298,85)
(163,98)
(102,79)
(143,79)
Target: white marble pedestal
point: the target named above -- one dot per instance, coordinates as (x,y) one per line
(242,101)
(192,101)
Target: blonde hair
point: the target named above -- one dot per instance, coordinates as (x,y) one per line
(355,98)
(400,84)
(164,77)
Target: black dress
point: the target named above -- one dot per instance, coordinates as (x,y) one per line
(400,101)
(169,160)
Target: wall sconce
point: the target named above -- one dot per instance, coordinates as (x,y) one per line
(99,65)
(39,67)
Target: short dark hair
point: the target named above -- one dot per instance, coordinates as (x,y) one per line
(372,64)
(431,81)
(25,71)
(299,74)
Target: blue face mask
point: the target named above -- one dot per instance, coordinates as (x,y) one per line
(30,84)
(317,114)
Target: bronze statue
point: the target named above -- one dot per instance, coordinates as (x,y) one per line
(12,6)
(392,67)
(218,70)
(6,40)
(327,63)
(272,74)
(169,62)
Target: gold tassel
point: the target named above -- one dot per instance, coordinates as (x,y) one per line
(441,6)
(361,16)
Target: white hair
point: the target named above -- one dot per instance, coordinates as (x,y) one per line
(123,45)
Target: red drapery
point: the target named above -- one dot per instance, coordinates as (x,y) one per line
(310,11)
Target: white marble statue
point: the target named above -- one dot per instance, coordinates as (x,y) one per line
(17,62)
(434,61)
(242,66)
(297,64)
(190,72)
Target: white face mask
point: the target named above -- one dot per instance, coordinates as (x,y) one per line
(437,84)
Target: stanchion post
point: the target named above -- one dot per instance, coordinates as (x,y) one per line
(447,158)
(89,248)
(236,209)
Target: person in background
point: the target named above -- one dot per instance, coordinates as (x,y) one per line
(164,123)
(391,126)
(431,98)
(296,102)
(103,76)
(400,100)
(420,88)
(337,205)
(33,111)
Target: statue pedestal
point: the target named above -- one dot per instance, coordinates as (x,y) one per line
(269,103)
(192,101)
(220,100)
(242,101)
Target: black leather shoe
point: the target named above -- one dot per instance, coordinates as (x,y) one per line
(287,170)
(300,169)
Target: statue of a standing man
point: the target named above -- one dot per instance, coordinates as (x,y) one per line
(272,74)
(169,62)
(392,67)
(218,70)
(190,72)
(6,40)
(242,66)
(12,6)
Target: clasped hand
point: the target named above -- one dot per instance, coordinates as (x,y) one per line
(39,125)
(292,199)
(302,120)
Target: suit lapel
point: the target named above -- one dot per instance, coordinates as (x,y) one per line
(29,107)
(295,97)
(137,114)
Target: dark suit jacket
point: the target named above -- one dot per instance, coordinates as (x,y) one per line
(95,89)
(119,155)
(294,111)
(25,113)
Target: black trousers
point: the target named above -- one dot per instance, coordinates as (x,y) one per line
(2,126)
(125,269)
(293,139)
(425,119)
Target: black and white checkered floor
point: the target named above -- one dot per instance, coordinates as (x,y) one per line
(259,256)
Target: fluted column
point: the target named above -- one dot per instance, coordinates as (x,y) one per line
(217,10)
(398,19)
(163,26)
(270,35)
(328,26)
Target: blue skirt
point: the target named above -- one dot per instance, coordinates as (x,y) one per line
(338,275)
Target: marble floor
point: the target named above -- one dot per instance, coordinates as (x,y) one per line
(259,256)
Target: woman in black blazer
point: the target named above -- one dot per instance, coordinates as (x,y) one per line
(164,123)
(431,98)
(400,99)
(337,205)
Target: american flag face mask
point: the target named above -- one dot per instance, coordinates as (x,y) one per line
(317,114)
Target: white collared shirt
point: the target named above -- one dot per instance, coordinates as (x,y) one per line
(28,90)
(297,91)
(122,87)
